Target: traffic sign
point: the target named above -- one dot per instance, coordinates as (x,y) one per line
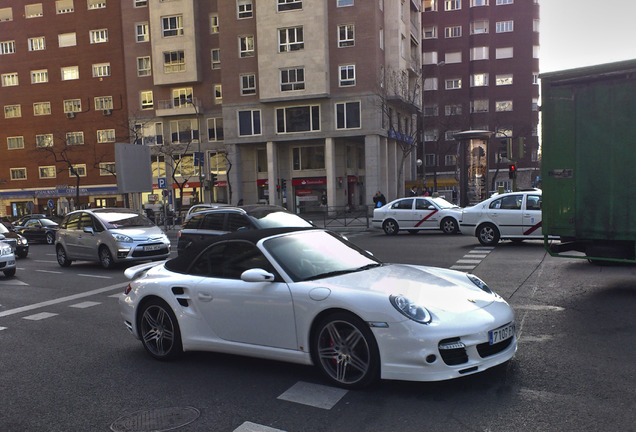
(50,204)
(162,183)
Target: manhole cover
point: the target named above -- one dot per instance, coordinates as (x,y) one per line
(155,420)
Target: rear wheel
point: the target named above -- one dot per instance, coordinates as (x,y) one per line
(62,259)
(488,234)
(449,226)
(159,330)
(390,227)
(22,254)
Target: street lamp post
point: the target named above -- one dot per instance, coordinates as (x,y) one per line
(201,158)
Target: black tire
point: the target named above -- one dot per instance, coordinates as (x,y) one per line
(50,238)
(517,240)
(449,226)
(345,351)
(10,273)
(22,254)
(488,234)
(414,231)
(105,257)
(62,258)
(390,227)
(159,330)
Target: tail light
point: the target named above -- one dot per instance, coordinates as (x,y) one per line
(127,290)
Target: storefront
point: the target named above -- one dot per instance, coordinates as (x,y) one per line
(310,194)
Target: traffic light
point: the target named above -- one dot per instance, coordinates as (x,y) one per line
(213,179)
(512,171)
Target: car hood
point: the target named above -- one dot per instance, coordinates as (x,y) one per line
(140,233)
(437,289)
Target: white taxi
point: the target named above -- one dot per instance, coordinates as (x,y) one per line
(417,213)
(514,215)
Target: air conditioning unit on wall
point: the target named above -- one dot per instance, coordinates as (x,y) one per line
(70,115)
(107,112)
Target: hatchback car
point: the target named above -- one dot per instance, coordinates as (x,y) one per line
(109,236)
(202,226)
(7,259)
(515,216)
(39,230)
(21,244)
(417,213)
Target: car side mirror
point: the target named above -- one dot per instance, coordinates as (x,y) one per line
(2,237)
(89,230)
(257,275)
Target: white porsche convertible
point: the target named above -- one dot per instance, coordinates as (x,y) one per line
(309,296)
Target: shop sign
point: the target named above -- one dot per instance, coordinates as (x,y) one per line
(308,198)
(309,181)
(262,182)
(304,191)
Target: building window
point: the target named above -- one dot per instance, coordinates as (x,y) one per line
(105,135)
(101,70)
(39,76)
(430,135)
(346,36)
(146,99)
(141,32)
(535,104)
(535,78)
(96,4)
(292,79)
(149,134)
(107,168)
(479,80)
(431,159)
(504,2)
(10,79)
(7,47)
(479,27)
(182,97)
(246,46)
(342,3)
(430,110)
(215,129)
(348,115)
(214,23)
(70,73)
(74,138)
(64,6)
(44,140)
(287,5)
(430,84)
(452,84)
(451,110)
(479,53)
(479,106)
(103,103)
(184,131)
(476,3)
(249,122)
(47,172)
(141,3)
(6,14)
(41,108)
(244,9)
(172,26)
(18,174)
(72,106)
(504,53)
(450,5)
(215,55)
(290,39)
(298,119)
(77,170)
(16,142)
(453,32)
(501,106)
(347,76)
(99,36)
(33,10)
(450,160)
(174,61)
(502,80)
(248,84)
(66,40)
(453,57)
(218,93)
(429,32)
(308,158)
(12,111)
(429,57)
(37,43)
(144,66)
(504,26)
(535,25)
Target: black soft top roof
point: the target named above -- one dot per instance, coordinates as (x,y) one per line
(186,258)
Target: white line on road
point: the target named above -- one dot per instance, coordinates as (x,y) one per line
(315,395)
(61,300)
(49,271)
(46,261)
(95,276)
(40,316)
(253,427)
(85,305)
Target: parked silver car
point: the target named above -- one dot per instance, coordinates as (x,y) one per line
(7,259)
(109,236)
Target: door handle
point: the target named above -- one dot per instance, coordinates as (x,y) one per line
(205,297)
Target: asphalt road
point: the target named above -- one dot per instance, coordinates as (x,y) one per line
(69,364)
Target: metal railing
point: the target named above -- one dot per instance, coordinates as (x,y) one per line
(338,217)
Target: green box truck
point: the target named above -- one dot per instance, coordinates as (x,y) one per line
(588,161)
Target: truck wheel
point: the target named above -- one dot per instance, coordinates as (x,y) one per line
(488,234)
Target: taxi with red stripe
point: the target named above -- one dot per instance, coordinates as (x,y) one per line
(417,213)
(512,216)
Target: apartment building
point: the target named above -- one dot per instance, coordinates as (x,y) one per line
(480,69)
(64,105)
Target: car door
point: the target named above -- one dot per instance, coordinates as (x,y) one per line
(402,212)
(33,230)
(532,216)
(259,313)
(506,213)
(87,242)
(426,214)
(68,235)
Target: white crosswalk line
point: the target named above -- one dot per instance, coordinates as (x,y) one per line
(314,395)
(39,316)
(253,427)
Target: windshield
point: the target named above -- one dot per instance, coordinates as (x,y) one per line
(3,229)
(123,220)
(278,219)
(442,203)
(47,222)
(316,254)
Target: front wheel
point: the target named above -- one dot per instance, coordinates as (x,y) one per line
(22,254)
(345,351)
(449,226)
(62,259)
(488,234)
(390,227)
(50,238)
(105,257)
(9,273)
(159,330)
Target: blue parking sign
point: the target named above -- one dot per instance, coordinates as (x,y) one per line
(161,183)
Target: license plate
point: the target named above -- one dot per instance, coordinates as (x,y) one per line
(152,248)
(501,334)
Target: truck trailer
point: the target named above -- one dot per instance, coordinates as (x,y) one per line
(588,162)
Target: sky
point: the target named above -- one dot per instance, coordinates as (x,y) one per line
(576,33)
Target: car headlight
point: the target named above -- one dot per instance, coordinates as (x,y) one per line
(5,250)
(480,283)
(123,238)
(22,240)
(410,310)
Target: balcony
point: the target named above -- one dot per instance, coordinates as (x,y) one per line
(177,107)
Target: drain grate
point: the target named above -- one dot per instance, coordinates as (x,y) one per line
(155,420)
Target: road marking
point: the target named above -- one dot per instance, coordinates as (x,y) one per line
(315,395)
(472,258)
(115,295)
(13,282)
(62,300)
(49,271)
(253,427)
(40,316)
(45,261)
(466,261)
(2,328)
(540,308)
(95,276)
(85,304)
